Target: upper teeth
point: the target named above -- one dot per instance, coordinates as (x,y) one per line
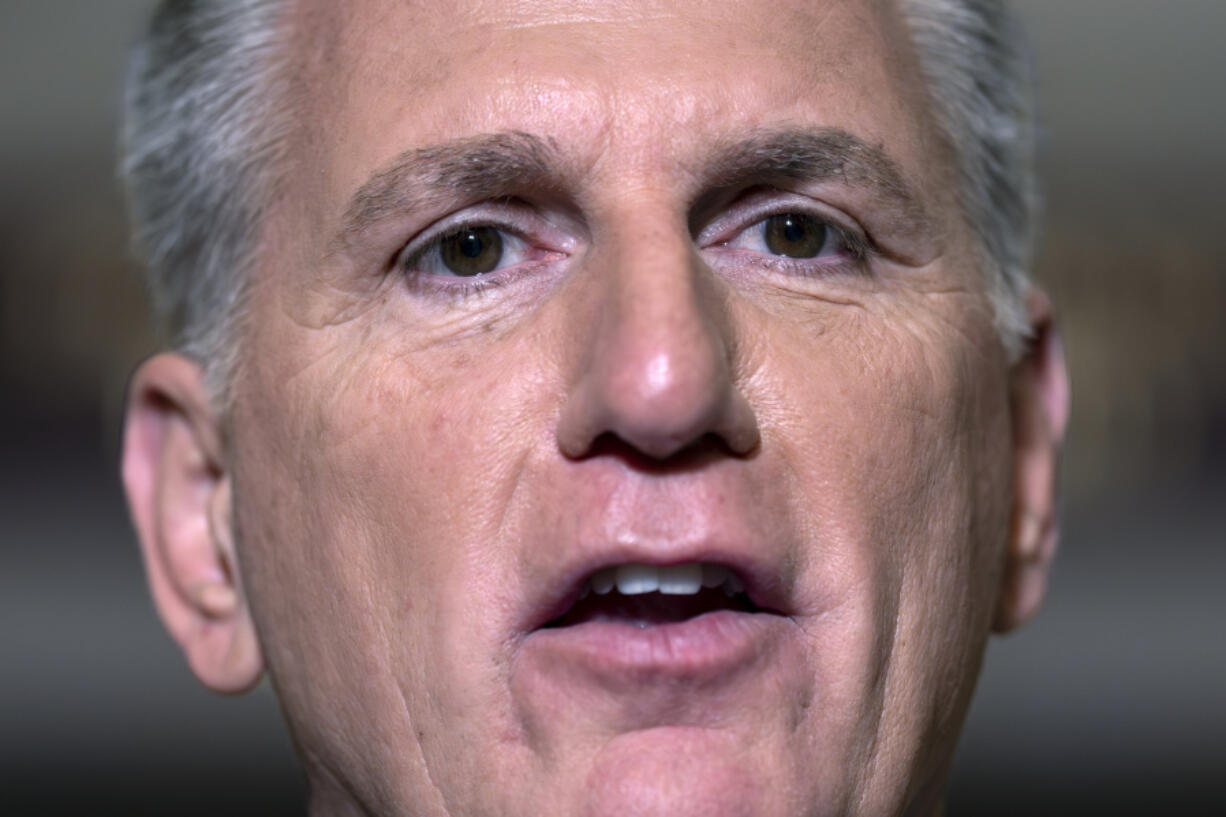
(675,580)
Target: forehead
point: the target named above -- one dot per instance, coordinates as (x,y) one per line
(643,84)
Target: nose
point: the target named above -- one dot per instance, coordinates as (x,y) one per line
(656,369)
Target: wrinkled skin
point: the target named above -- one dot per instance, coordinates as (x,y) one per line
(411,464)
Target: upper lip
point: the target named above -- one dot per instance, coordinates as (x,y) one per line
(764,583)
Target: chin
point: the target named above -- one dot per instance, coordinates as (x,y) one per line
(682,771)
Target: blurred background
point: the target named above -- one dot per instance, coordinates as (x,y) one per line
(1112,702)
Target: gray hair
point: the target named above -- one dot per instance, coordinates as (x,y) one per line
(206,121)
(204,126)
(973,56)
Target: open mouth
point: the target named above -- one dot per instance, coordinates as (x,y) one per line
(644,595)
(634,626)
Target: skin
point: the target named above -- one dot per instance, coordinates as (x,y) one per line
(410,468)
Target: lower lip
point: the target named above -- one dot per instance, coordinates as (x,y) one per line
(711,647)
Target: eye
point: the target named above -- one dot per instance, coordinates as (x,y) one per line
(791,235)
(466,252)
(794,235)
(471,251)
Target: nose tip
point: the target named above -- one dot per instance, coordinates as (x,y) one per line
(659,375)
(669,407)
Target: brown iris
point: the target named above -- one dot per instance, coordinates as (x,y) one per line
(471,251)
(795,235)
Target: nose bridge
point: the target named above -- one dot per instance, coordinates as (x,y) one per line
(658,369)
(661,345)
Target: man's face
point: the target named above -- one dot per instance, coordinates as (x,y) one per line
(554,288)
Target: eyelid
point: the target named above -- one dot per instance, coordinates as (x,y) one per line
(428,240)
(411,258)
(517,220)
(744,216)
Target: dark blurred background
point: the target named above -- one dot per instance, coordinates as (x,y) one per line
(1112,702)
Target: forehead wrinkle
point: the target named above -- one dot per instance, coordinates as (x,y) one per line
(476,167)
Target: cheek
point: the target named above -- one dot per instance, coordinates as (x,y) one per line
(896,431)
(361,493)
(897,438)
(385,461)
(367,454)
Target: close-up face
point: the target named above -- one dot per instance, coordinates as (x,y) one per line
(619,425)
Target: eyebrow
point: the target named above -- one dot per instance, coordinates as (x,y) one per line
(494,165)
(819,155)
(478,167)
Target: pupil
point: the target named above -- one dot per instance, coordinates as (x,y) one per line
(471,245)
(471,251)
(792,230)
(795,235)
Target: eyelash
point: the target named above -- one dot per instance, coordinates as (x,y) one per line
(408,260)
(857,246)
(853,242)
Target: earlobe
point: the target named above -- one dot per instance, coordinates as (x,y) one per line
(179,495)
(1040,407)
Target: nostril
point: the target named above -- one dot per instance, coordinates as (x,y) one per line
(707,449)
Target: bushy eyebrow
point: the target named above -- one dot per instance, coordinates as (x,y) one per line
(819,155)
(494,165)
(475,168)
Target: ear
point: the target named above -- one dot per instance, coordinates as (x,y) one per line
(179,495)
(1039,394)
